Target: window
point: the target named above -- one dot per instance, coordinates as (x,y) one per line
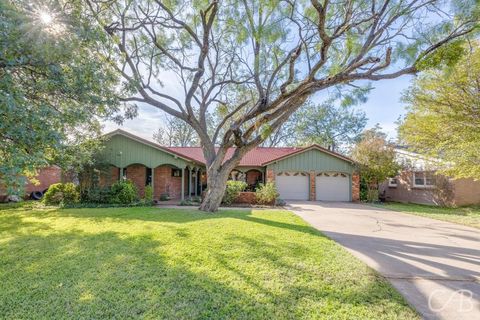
(423,179)
(392,182)
(148,180)
(176,173)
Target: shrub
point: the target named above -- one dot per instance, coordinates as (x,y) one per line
(372,195)
(266,193)
(164,197)
(363,189)
(97,195)
(233,190)
(188,202)
(148,194)
(124,192)
(61,193)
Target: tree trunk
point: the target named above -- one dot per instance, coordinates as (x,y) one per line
(216,184)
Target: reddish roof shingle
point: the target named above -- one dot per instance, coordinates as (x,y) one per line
(253,158)
(256,157)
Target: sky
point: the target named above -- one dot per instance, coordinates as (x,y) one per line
(383,107)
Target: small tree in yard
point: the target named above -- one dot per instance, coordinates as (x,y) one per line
(376,160)
(256,62)
(443,116)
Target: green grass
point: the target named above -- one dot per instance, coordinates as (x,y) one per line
(469,216)
(181,264)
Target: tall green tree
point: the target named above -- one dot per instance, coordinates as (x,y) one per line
(332,126)
(53,88)
(334,123)
(443,119)
(176,133)
(258,61)
(376,159)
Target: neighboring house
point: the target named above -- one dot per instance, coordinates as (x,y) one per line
(419,183)
(310,173)
(45,177)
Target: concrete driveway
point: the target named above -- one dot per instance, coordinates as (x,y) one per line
(434,264)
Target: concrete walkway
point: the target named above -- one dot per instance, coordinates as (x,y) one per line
(435,265)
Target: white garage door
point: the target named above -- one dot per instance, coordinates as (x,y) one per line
(332,187)
(292,185)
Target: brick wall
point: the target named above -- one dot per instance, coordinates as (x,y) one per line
(110,177)
(165,183)
(466,192)
(270,175)
(253,176)
(355,187)
(137,173)
(246,197)
(46,177)
(312,196)
(405,191)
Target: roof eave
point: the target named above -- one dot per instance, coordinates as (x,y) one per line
(151,144)
(311,147)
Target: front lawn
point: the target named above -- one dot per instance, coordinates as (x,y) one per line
(469,216)
(181,264)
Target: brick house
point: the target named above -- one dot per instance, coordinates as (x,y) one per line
(45,177)
(310,173)
(419,183)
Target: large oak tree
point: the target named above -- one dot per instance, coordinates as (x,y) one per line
(256,62)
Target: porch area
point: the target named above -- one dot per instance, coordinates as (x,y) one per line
(170,183)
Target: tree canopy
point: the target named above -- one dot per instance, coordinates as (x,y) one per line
(443,119)
(53,89)
(256,62)
(175,133)
(376,159)
(332,126)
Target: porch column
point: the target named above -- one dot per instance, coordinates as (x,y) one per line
(152,182)
(196,181)
(183,184)
(121,173)
(201,185)
(189,182)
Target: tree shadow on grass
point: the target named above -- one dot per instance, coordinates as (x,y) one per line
(177,216)
(104,275)
(80,274)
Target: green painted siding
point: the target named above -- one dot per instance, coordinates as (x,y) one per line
(312,160)
(122,151)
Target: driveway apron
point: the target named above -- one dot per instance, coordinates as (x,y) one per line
(435,265)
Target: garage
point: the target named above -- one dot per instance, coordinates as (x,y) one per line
(292,185)
(332,186)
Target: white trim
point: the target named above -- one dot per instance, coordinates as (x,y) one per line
(311,147)
(393,184)
(424,185)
